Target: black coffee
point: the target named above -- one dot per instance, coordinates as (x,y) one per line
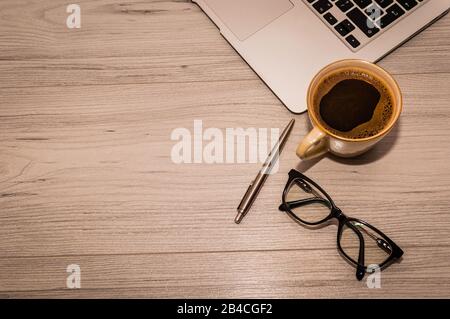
(356,99)
(353,104)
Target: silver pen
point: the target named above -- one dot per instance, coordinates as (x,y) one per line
(258,182)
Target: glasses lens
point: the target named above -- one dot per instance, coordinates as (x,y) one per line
(308,203)
(376,247)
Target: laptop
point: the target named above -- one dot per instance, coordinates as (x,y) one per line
(286,42)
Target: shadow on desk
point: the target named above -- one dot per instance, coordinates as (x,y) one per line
(375,154)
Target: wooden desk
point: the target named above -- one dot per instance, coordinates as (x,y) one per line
(86,175)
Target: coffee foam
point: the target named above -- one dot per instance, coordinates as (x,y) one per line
(383,111)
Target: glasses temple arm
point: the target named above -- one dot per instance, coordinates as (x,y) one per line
(380,241)
(360,268)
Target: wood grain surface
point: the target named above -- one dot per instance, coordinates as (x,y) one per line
(86,175)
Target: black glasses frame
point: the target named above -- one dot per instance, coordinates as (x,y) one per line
(385,243)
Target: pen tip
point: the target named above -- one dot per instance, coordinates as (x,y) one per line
(238,218)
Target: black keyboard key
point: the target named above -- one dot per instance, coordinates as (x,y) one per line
(330,18)
(362,22)
(341,30)
(362,3)
(408,4)
(348,25)
(353,41)
(392,13)
(345,27)
(344,5)
(374,12)
(322,6)
(395,10)
(384,3)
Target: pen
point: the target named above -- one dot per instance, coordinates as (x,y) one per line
(258,182)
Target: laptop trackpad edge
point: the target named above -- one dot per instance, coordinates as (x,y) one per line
(246,17)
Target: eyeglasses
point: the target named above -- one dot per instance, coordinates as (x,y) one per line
(362,245)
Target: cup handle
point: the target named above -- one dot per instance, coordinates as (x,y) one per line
(313,145)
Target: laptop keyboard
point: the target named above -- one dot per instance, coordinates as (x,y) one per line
(357,22)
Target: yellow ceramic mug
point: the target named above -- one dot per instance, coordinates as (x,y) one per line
(322,139)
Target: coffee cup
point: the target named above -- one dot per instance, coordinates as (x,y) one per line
(352,105)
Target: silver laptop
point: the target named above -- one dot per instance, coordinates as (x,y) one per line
(287,42)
